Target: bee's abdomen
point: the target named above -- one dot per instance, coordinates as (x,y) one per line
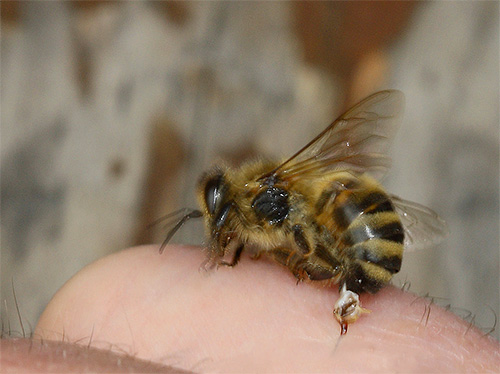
(370,237)
(349,205)
(382,225)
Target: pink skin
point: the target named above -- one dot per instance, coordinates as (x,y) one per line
(251,318)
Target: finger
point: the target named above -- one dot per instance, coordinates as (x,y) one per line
(252,317)
(23,355)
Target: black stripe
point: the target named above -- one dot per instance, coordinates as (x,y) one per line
(391,263)
(339,187)
(377,199)
(357,281)
(389,231)
(374,202)
(382,205)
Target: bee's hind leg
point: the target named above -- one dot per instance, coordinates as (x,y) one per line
(347,309)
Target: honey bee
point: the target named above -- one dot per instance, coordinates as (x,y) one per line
(322,213)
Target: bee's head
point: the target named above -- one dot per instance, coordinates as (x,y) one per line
(215,207)
(213,196)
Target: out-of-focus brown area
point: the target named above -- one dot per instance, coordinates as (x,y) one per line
(167,157)
(9,11)
(349,39)
(175,11)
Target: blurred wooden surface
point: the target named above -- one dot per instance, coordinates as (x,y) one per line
(111,111)
(351,40)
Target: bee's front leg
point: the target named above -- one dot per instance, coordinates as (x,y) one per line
(236,257)
(347,309)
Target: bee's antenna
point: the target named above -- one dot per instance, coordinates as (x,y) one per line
(166,216)
(192,214)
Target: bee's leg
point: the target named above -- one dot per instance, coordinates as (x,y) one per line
(236,257)
(347,309)
(300,239)
(292,259)
(300,273)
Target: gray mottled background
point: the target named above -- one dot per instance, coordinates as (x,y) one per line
(110,112)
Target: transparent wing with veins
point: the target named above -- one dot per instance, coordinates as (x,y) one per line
(423,227)
(358,140)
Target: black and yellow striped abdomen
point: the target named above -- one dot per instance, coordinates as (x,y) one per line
(367,232)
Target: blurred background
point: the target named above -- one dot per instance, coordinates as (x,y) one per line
(111,111)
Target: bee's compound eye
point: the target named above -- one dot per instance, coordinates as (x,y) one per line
(213,193)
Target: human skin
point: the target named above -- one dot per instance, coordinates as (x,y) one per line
(251,318)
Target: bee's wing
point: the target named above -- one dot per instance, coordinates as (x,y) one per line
(423,227)
(358,140)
